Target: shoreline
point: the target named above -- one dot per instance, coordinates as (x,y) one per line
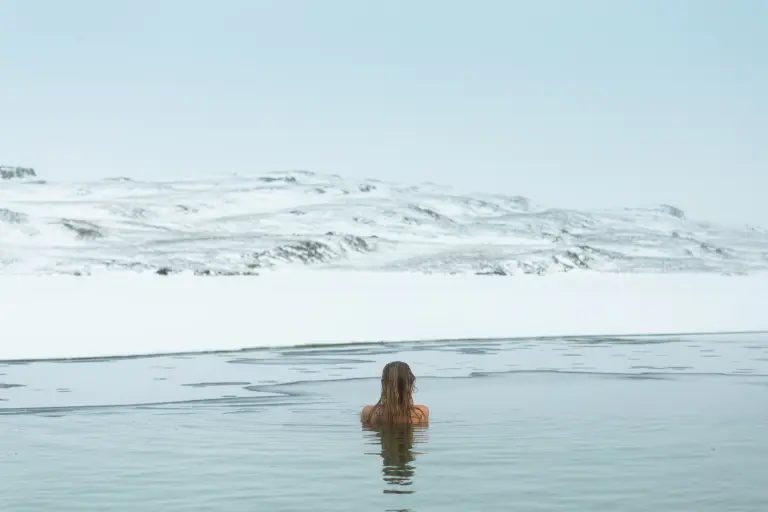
(121,315)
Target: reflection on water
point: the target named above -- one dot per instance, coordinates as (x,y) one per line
(397,453)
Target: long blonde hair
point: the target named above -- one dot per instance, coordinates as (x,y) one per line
(396,402)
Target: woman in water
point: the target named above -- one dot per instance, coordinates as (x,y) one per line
(396,402)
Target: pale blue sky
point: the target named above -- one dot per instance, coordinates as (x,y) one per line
(590,103)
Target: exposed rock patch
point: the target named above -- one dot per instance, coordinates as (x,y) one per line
(12,217)
(276,179)
(10,173)
(83,229)
(4,385)
(673,211)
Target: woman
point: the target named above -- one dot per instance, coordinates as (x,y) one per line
(396,402)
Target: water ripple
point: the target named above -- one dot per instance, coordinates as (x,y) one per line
(208,378)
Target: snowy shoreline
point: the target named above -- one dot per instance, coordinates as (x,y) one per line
(52,317)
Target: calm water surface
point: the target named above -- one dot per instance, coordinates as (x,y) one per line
(631,424)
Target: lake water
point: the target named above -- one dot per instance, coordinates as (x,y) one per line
(621,424)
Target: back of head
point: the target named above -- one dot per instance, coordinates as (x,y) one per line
(397,387)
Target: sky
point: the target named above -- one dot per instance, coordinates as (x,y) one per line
(588,104)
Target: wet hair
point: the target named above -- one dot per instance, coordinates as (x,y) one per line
(396,402)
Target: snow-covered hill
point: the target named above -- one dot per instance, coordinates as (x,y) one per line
(253,224)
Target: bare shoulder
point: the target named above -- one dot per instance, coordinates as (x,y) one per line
(366,412)
(423,409)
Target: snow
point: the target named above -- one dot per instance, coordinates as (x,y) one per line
(263,223)
(312,258)
(121,314)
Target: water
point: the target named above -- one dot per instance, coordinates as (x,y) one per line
(657,423)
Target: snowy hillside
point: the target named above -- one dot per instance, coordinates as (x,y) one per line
(253,224)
